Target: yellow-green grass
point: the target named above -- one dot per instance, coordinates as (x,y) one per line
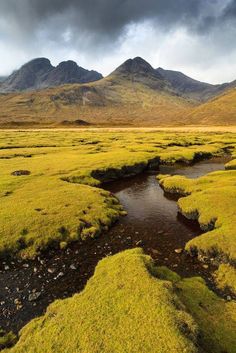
(215,317)
(129,305)
(231,165)
(6,339)
(123,308)
(43,208)
(46,211)
(225,278)
(212,200)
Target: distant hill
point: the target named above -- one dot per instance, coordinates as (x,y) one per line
(221,110)
(134,94)
(39,74)
(193,89)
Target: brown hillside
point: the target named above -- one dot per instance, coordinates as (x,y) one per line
(134,94)
(218,111)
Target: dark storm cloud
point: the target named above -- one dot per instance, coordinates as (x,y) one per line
(193,35)
(107,19)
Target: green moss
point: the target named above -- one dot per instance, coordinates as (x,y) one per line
(6,339)
(53,212)
(231,165)
(212,202)
(216,318)
(35,208)
(122,309)
(225,278)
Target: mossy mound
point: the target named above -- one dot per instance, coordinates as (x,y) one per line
(6,339)
(225,278)
(211,200)
(41,207)
(216,318)
(45,212)
(231,165)
(124,308)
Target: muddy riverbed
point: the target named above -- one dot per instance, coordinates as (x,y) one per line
(153,223)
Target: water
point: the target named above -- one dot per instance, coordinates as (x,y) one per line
(153,223)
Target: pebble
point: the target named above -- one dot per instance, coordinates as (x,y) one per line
(25,265)
(229,298)
(73,267)
(6,268)
(139,242)
(34,296)
(178,251)
(51,270)
(205,266)
(17,301)
(60,274)
(154,251)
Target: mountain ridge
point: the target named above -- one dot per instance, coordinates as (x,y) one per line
(191,88)
(134,94)
(39,73)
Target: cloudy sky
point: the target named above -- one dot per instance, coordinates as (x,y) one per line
(197,37)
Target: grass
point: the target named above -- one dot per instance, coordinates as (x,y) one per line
(48,211)
(215,317)
(122,309)
(225,278)
(211,200)
(131,306)
(59,200)
(7,339)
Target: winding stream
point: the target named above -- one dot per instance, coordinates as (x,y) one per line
(152,223)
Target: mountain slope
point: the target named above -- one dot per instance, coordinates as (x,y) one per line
(39,73)
(218,111)
(134,94)
(193,89)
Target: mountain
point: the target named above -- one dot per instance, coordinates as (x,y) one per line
(193,89)
(221,110)
(39,73)
(133,94)
(139,70)
(2,78)
(69,72)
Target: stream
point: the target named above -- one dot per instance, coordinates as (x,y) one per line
(153,223)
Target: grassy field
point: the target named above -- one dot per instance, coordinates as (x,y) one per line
(58,200)
(211,200)
(51,194)
(131,306)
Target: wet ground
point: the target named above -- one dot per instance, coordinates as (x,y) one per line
(153,223)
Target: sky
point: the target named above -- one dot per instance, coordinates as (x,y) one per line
(197,37)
